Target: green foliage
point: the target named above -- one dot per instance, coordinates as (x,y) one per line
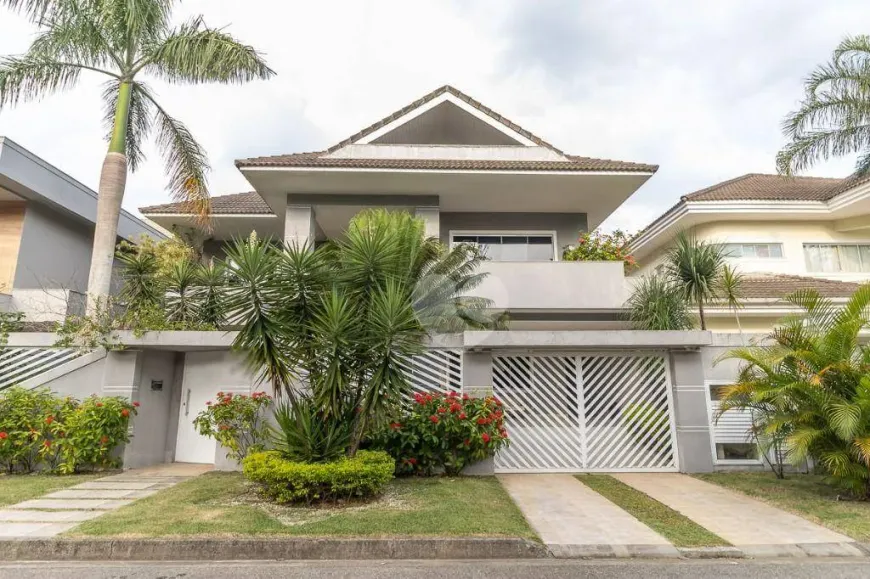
(810,386)
(597,246)
(9,322)
(307,434)
(832,120)
(657,304)
(236,421)
(39,429)
(696,268)
(444,432)
(341,322)
(285,481)
(92,331)
(124,41)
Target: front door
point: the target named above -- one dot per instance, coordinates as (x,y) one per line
(190,445)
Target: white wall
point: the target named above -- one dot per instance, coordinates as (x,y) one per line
(792,235)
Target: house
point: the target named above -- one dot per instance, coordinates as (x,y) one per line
(581,391)
(781,233)
(46,234)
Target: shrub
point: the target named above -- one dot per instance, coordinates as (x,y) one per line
(236,422)
(285,481)
(444,432)
(597,246)
(39,429)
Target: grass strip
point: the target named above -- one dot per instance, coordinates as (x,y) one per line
(673,526)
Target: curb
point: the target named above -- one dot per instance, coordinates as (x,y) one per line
(266,549)
(711,552)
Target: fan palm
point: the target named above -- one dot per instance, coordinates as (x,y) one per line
(124,40)
(834,117)
(695,266)
(338,325)
(731,292)
(812,383)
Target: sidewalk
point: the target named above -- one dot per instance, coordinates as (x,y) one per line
(575,521)
(756,528)
(60,511)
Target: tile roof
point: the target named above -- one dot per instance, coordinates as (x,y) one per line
(761,187)
(249,203)
(320,159)
(777,286)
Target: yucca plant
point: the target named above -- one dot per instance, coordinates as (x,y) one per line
(657,303)
(695,266)
(812,386)
(337,325)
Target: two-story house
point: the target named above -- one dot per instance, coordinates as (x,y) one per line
(781,233)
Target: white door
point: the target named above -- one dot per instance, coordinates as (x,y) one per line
(190,445)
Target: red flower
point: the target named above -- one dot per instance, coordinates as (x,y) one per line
(208,403)
(46,443)
(395,425)
(3,436)
(467,442)
(465,396)
(135,405)
(99,404)
(442,409)
(104,440)
(455,407)
(49,419)
(125,413)
(485,438)
(434,419)
(482,421)
(503,433)
(452,394)
(462,416)
(224,427)
(412,460)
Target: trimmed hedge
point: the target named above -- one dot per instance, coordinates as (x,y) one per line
(286,481)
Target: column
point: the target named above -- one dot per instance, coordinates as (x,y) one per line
(299,225)
(477,381)
(431,217)
(690,410)
(121,377)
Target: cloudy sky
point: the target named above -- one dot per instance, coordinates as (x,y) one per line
(699,88)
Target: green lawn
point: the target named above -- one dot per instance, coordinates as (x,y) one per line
(15,488)
(668,523)
(802,494)
(226,504)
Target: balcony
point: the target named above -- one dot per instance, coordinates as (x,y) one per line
(554,285)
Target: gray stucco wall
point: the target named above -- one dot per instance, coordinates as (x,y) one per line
(566,225)
(149,444)
(80,383)
(55,251)
(690,411)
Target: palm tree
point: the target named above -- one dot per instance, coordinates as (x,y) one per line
(812,385)
(696,267)
(834,117)
(124,41)
(731,291)
(335,327)
(658,304)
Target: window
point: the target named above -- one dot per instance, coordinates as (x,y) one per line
(837,257)
(510,247)
(753,250)
(736,451)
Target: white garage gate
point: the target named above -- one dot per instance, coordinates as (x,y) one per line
(586,412)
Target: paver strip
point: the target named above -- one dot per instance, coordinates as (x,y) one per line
(574,520)
(740,520)
(60,511)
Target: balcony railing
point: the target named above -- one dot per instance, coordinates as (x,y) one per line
(554,285)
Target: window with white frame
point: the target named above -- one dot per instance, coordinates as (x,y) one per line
(731,432)
(837,257)
(753,250)
(510,246)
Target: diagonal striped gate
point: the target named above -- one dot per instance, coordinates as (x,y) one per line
(586,413)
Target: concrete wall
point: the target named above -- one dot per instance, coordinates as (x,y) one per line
(80,383)
(150,442)
(690,411)
(566,225)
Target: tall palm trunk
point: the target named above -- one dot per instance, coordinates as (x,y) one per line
(701,313)
(113,180)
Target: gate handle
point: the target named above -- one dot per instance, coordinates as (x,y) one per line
(187,403)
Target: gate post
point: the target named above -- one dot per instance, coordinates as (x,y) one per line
(690,411)
(477,381)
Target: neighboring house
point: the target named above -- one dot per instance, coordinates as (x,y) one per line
(782,233)
(473,176)
(46,233)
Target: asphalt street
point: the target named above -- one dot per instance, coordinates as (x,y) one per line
(526,569)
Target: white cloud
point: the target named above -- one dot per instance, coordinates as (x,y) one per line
(699,88)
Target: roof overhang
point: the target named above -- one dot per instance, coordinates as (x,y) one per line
(597,194)
(35,180)
(848,209)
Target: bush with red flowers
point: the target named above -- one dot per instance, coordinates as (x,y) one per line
(597,246)
(237,422)
(444,432)
(40,430)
